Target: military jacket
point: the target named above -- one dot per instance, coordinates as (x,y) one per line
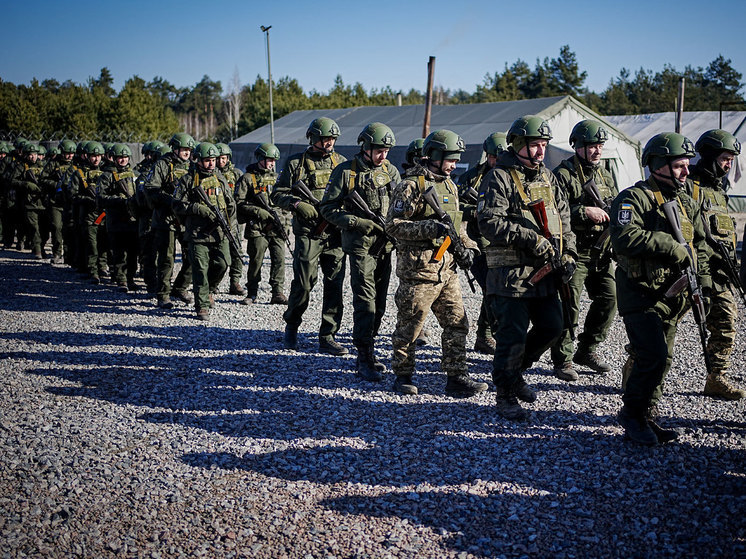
(186,200)
(571,175)
(709,192)
(160,184)
(253,182)
(231,175)
(512,232)
(315,170)
(417,230)
(52,182)
(25,181)
(471,179)
(82,188)
(644,243)
(116,189)
(373,184)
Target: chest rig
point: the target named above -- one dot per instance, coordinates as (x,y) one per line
(88,177)
(317,176)
(125,181)
(607,195)
(230,176)
(447,196)
(214,190)
(373,185)
(175,173)
(715,209)
(263,183)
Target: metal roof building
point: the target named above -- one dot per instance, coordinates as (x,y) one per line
(474,122)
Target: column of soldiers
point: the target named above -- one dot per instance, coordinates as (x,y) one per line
(534,240)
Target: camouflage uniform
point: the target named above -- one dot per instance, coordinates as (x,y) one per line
(595,269)
(424,284)
(260,230)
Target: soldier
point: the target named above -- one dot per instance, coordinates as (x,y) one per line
(427,277)
(116,188)
(52,182)
(518,249)
(471,179)
(649,261)
(717,150)
(5,149)
(261,230)
(90,219)
(595,270)
(24,179)
(11,208)
(208,244)
(369,177)
(159,187)
(413,154)
(316,243)
(231,175)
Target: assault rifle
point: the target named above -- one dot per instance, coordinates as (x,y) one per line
(452,237)
(470,196)
(261,201)
(355,202)
(688,280)
(730,268)
(591,189)
(222,222)
(301,189)
(554,265)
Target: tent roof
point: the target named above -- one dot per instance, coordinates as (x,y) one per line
(693,124)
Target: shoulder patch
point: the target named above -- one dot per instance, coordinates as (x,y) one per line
(625,214)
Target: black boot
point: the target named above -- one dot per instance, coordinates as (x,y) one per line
(523,391)
(290,341)
(507,406)
(462,386)
(636,427)
(663,435)
(377,365)
(365,366)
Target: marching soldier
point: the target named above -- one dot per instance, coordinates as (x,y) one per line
(299,189)
(52,182)
(526,306)
(357,201)
(262,230)
(232,175)
(24,179)
(428,278)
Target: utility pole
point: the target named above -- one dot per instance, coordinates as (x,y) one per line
(428,96)
(269,73)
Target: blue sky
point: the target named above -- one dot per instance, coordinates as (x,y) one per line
(375,43)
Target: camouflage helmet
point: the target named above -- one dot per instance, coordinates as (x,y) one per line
(414,150)
(30,147)
(205,150)
(224,149)
(182,140)
(529,126)
(443,144)
(495,143)
(588,132)
(67,146)
(322,127)
(664,147)
(266,151)
(713,142)
(121,150)
(93,148)
(376,135)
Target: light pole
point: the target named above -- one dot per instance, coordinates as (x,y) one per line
(269,73)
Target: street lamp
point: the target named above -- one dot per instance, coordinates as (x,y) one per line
(269,73)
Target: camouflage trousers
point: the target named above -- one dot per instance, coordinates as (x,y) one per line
(721,322)
(413,301)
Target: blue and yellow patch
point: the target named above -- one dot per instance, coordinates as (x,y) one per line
(624,217)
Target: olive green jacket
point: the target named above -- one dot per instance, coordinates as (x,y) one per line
(186,202)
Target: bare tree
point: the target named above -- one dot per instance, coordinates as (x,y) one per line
(233,104)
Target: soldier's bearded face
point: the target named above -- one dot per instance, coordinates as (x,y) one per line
(325,144)
(591,153)
(448,165)
(534,152)
(32,157)
(725,161)
(491,161)
(94,160)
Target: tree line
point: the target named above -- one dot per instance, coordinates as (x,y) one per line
(143,110)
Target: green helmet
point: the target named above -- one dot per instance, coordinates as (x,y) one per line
(108,146)
(495,143)
(664,147)
(529,126)
(716,141)
(93,148)
(443,144)
(163,149)
(5,147)
(156,145)
(19,142)
(322,127)
(54,151)
(30,147)
(224,149)
(182,140)
(146,148)
(376,135)
(206,150)
(266,151)
(588,132)
(121,150)
(414,150)
(80,148)
(67,146)
(42,150)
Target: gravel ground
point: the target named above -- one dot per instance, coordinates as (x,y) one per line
(132,432)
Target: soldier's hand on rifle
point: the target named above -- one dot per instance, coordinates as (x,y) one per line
(263,215)
(568,267)
(306,211)
(464,258)
(543,248)
(680,256)
(596,215)
(203,211)
(366,226)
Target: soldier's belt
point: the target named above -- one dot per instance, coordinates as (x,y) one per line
(503,256)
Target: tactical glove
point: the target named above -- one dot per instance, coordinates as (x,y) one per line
(306,211)
(263,215)
(203,211)
(543,249)
(568,267)
(680,256)
(464,258)
(366,226)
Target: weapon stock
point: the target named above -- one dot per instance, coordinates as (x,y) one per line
(452,237)
(262,202)
(591,189)
(356,201)
(302,190)
(731,269)
(222,222)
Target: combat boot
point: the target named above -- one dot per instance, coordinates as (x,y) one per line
(248,300)
(717,386)
(290,341)
(165,303)
(636,427)
(462,386)
(365,366)
(565,372)
(507,406)
(181,295)
(203,315)
(329,345)
(663,435)
(236,289)
(422,337)
(591,360)
(404,385)
(485,344)
(523,391)
(278,299)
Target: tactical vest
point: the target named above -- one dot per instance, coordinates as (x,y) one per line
(373,185)
(230,176)
(538,189)
(654,271)
(214,190)
(715,209)
(264,183)
(125,182)
(89,177)
(448,197)
(317,178)
(175,174)
(607,195)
